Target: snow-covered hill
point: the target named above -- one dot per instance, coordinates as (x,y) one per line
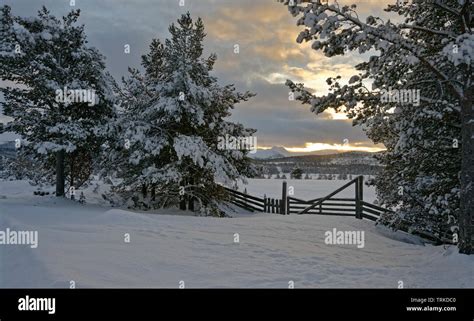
(272,153)
(85,244)
(277,152)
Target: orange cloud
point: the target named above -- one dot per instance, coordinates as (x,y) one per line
(315,147)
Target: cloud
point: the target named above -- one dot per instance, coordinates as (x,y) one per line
(283,122)
(346,146)
(269,55)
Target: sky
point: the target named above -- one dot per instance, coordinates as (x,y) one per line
(268,55)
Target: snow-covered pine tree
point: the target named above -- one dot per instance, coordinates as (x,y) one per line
(57,93)
(431,51)
(173,115)
(296,173)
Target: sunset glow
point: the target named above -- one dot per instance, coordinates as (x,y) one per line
(314,147)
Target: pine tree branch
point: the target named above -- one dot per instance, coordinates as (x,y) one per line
(431,31)
(459,14)
(401,41)
(447,9)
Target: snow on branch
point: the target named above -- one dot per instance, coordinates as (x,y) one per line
(343,31)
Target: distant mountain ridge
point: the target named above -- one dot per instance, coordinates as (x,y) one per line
(353,162)
(277,152)
(333,158)
(272,153)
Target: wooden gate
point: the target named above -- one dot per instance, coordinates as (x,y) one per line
(328,205)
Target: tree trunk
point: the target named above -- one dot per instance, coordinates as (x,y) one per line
(466,216)
(144,191)
(60,179)
(153,192)
(191,198)
(72,171)
(182,202)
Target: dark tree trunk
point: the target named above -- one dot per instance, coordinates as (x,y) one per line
(190,198)
(182,202)
(153,192)
(72,171)
(191,204)
(144,191)
(466,216)
(60,179)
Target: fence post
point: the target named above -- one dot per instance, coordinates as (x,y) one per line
(283,198)
(265,203)
(273,205)
(359,196)
(245,192)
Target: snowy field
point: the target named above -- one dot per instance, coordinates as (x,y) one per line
(304,189)
(85,244)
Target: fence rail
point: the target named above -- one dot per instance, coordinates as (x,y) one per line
(328,205)
(255,204)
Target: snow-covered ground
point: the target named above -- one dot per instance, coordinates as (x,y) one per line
(85,244)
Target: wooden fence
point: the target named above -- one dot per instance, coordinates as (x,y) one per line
(255,204)
(328,205)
